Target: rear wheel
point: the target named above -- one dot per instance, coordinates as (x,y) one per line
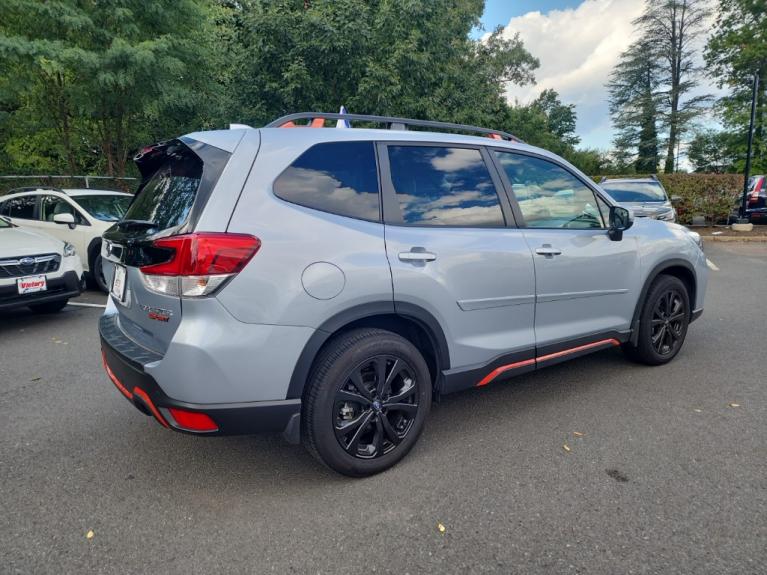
(49,307)
(662,323)
(366,402)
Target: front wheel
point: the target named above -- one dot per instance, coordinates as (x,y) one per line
(366,402)
(662,323)
(97,273)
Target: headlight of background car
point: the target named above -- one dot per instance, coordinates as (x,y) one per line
(669,215)
(69,250)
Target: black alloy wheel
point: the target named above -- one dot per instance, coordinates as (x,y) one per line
(366,401)
(668,322)
(375,406)
(663,322)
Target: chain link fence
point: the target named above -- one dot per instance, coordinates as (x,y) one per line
(124,184)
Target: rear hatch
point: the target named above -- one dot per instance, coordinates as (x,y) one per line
(145,251)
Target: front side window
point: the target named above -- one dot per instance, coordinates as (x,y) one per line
(52,205)
(548,195)
(22,208)
(336,177)
(442,186)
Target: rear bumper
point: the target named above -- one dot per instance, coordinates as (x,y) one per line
(65,287)
(128,375)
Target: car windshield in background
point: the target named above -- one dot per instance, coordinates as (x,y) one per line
(167,197)
(635,191)
(108,208)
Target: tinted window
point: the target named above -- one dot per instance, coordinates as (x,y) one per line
(635,191)
(108,208)
(438,186)
(22,207)
(548,195)
(52,205)
(167,196)
(337,177)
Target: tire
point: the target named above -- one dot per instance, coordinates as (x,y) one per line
(661,332)
(49,307)
(358,429)
(97,274)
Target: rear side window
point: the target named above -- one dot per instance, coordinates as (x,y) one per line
(441,186)
(22,207)
(336,177)
(168,195)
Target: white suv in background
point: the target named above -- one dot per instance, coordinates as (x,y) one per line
(77,216)
(36,270)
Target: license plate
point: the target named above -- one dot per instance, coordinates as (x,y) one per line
(31,284)
(118,283)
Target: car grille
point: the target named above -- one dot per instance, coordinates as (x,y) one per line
(29,265)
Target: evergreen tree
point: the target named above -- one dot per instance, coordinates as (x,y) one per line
(635,102)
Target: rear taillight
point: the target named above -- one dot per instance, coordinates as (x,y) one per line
(198,264)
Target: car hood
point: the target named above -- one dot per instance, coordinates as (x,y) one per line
(647,209)
(15,242)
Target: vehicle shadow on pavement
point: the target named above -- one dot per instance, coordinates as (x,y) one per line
(268,463)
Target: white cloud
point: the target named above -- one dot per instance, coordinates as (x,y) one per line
(577,48)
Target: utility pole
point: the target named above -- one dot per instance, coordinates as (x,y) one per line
(743,218)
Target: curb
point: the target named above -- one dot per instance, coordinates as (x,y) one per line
(755,239)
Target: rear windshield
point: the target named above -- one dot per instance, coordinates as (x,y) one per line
(167,196)
(107,208)
(635,191)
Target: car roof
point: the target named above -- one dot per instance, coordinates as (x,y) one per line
(91,192)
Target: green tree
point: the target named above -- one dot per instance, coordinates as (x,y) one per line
(396,58)
(711,151)
(671,28)
(654,79)
(736,51)
(635,102)
(84,83)
(561,118)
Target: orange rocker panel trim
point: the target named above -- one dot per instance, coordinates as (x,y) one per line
(499,370)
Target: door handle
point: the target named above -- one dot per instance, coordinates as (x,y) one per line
(548,251)
(417,256)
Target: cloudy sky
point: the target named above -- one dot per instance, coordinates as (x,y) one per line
(577,42)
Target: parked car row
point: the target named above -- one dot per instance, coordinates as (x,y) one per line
(50,244)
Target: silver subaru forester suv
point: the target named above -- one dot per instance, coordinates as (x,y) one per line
(331,283)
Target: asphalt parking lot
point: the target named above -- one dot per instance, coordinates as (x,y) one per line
(668,476)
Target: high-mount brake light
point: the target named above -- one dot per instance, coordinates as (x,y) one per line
(199,263)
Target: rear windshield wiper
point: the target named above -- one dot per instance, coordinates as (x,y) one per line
(136,224)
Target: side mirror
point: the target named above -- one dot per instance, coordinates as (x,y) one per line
(676,199)
(621,219)
(68,219)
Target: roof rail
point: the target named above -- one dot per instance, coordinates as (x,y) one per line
(317,120)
